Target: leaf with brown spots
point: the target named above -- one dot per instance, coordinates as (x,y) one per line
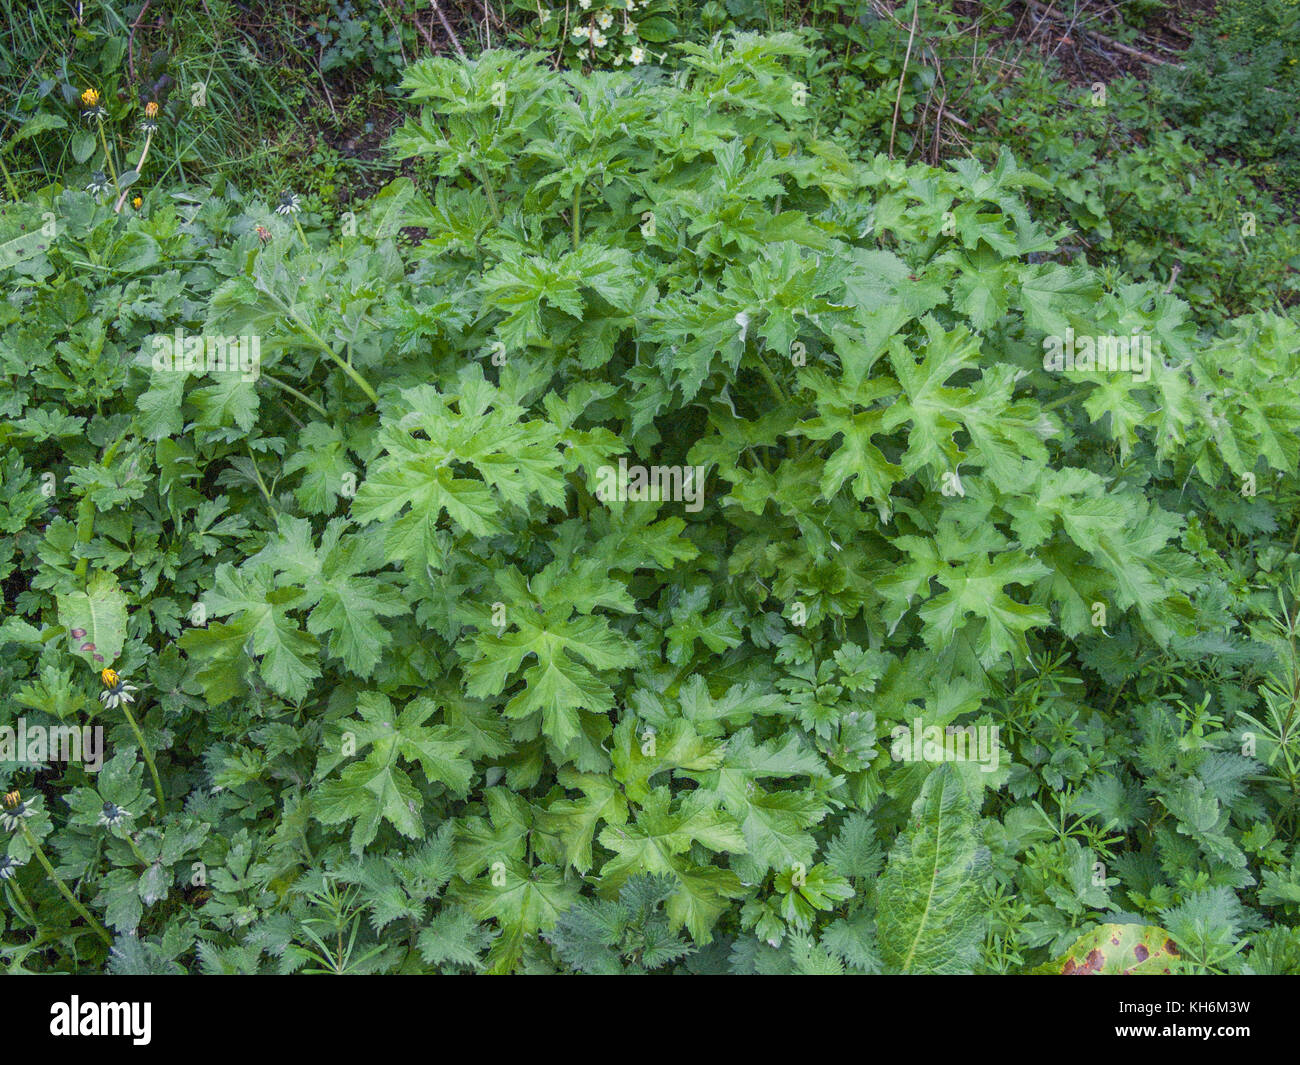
(1117,950)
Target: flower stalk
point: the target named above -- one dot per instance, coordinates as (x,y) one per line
(63,888)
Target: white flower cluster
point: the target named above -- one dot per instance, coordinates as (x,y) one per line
(593,33)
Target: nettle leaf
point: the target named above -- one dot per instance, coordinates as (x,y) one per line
(377,789)
(452,937)
(930,908)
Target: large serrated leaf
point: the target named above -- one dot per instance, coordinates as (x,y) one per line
(930,915)
(95,620)
(387,211)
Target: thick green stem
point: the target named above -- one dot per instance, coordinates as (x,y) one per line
(85,531)
(577,216)
(148,758)
(773,383)
(492,197)
(297,395)
(258,474)
(301,235)
(63,888)
(1078,393)
(342,364)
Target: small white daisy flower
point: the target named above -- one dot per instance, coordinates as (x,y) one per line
(12,816)
(638,55)
(604,20)
(598,39)
(112,814)
(289,203)
(119,691)
(8,867)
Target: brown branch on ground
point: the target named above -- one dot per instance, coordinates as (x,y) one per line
(447,26)
(1049,12)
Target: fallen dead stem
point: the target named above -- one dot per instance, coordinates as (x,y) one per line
(1137,53)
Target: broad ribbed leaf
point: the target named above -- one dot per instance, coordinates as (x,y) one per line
(930,909)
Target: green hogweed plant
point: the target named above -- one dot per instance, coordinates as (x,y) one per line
(419,693)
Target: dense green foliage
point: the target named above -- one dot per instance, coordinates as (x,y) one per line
(1239,87)
(413,693)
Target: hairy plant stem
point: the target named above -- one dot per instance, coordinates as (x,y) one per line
(297,395)
(773,383)
(108,156)
(341,363)
(491,195)
(258,474)
(63,888)
(1078,393)
(148,757)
